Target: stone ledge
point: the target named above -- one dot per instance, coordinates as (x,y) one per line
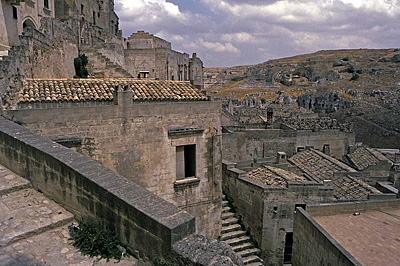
(185,131)
(187,182)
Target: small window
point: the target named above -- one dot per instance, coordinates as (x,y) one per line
(82,8)
(46,4)
(94,18)
(15,12)
(185,161)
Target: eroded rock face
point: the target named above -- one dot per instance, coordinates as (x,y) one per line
(395,59)
(200,250)
(328,103)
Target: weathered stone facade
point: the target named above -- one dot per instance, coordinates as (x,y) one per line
(148,56)
(140,140)
(241,143)
(52,40)
(16,16)
(267,210)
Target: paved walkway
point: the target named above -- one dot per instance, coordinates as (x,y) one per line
(34,229)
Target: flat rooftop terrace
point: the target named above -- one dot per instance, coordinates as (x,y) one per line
(372,237)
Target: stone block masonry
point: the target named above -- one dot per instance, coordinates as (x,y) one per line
(133,140)
(89,190)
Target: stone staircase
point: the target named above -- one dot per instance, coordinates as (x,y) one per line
(100,66)
(233,234)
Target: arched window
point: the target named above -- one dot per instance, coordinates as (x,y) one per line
(28,23)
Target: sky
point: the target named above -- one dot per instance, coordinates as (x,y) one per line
(226,33)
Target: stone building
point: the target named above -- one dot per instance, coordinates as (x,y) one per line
(17,15)
(265,194)
(265,199)
(370,160)
(100,14)
(62,29)
(244,142)
(148,56)
(163,135)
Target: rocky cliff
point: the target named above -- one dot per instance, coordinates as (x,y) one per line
(360,86)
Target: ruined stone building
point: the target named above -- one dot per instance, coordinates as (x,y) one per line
(289,135)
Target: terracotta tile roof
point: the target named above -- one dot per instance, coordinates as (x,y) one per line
(272,176)
(348,187)
(364,157)
(65,90)
(319,165)
(322,167)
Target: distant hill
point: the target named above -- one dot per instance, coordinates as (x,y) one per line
(358,85)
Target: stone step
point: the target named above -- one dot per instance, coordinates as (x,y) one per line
(227,215)
(237,241)
(249,252)
(251,259)
(240,247)
(229,221)
(226,209)
(27,212)
(225,203)
(230,228)
(233,234)
(10,182)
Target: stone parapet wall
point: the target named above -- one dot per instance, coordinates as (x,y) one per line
(144,221)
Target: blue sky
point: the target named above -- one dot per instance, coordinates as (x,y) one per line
(237,32)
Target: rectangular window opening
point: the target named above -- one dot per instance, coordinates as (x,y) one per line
(185,161)
(46,4)
(287,256)
(15,12)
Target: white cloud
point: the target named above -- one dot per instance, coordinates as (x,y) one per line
(219,47)
(240,37)
(251,31)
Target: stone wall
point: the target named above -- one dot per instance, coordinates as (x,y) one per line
(245,144)
(313,246)
(135,140)
(28,13)
(160,63)
(338,141)
(144,221)
(45,53)
(267,211)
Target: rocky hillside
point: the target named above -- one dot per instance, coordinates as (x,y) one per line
(360,86)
